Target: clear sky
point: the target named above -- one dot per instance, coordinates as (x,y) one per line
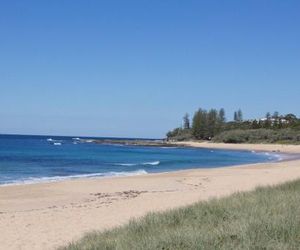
(133,68)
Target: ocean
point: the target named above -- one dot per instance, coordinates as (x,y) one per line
(33,159)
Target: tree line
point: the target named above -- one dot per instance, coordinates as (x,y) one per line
(206,124)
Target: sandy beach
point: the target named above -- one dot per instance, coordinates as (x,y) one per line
(279,148)
(48,215)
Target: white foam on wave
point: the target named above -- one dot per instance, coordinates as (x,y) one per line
(152,163)
(271,156)
(55,142)
(114,144)
(127,164)
(33,180)
(278,157)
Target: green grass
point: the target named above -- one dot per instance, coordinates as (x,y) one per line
(267,218)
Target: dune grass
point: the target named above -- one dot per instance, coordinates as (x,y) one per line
(266,218)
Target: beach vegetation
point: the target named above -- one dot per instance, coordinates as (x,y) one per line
(180,134)
(266,218)
(281,136)
(212,125)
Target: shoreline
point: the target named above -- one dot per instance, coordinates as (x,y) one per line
(281,156)
(274,148)
(48,215)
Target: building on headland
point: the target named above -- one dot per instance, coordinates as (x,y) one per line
(274,120)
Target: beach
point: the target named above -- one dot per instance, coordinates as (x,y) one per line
(275,148)
(49,215)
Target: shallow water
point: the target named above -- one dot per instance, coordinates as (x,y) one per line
(30,159)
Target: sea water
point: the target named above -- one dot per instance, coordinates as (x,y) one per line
(31,159)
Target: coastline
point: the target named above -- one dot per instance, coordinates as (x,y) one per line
(141,167)
(287,152)
(274,148)
(48,215)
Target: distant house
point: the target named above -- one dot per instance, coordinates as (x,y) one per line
(274,120)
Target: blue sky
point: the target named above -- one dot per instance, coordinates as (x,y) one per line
(133,68)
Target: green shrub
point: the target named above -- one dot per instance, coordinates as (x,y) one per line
(259,136)
(179,134)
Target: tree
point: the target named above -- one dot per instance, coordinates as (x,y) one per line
(235,116)
(267,123)
(255,125)
(222,117)
(212,123)
(207,124)
(238,116)
(221,120)
(196,124)
(199,126)
(290,118)
(186,121)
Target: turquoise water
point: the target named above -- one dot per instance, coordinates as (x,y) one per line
(30,159)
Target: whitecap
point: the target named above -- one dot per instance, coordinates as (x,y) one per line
(153,163)
(126,164)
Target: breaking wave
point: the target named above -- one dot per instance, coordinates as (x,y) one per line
(151,163)
(33,180)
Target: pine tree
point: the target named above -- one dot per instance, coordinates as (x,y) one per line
(240,115)
(199,126)
(212,122)
(186,121)
(196,124)
(235,117)
(222,117)
(221,120)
